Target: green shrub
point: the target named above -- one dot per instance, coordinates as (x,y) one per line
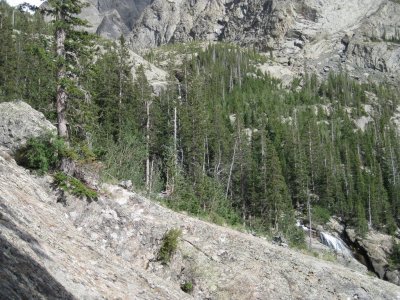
(169,245)
(187,287)
(74,186)
(123,159)
(206,200)
(41,154)
(45,153)
(61,180)
(84,153)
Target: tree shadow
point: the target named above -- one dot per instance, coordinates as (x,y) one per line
(21,277)
(8,223)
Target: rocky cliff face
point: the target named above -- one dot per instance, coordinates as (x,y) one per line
(359,37)
(374,250)
(259,23)
(113,18)
(107,249)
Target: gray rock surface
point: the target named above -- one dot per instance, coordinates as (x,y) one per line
(157,78)
(110,19)
(107,249)
(360,37)
(44,256)
(378,248)
(19,122)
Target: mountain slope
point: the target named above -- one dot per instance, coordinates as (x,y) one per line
(115,240)
(359,37)
(108,249)
(110,19)
(44,255)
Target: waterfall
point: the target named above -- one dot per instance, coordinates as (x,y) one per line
(334,243)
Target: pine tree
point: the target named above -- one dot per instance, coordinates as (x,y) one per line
(64,14)
(279,202)
(8,54)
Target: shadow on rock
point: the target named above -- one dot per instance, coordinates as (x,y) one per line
(23,278)
(7,222)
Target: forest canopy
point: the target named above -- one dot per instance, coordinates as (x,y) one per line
(227,141)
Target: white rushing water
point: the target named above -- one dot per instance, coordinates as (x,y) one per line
(335,244)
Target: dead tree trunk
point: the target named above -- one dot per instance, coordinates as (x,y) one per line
(61,100)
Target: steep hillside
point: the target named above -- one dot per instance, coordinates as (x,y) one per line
(360,37)
(112,18)
(107,249)
(198,122)
(220,138)
(43,255)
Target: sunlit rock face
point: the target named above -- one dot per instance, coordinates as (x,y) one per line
(111,19)
(319,36)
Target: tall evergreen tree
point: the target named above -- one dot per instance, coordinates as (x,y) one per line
(68,38)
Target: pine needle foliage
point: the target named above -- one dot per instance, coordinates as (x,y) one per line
(43,153)
(169,245)
(74,186)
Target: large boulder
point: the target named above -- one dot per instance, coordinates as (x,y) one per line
(20,122)
(377,247)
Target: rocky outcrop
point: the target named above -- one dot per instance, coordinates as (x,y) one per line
(257,22)
(341,36)
(359,37)
(44,256)
(19,122)
(107,249)
(157,78)
(373,250)
(110,19)
(377,248)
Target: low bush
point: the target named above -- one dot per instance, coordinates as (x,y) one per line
(74,186)
(44,153)
(169,245)
(296,237)
(41,154)
(123,159)
(187,287)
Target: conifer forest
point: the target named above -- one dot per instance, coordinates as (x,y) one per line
(222,140)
